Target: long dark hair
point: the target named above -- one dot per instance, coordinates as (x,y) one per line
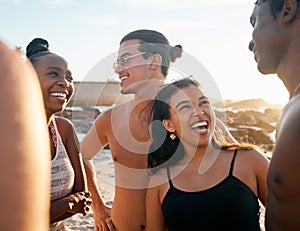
(165,151)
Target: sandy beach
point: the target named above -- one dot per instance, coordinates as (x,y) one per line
(105,174)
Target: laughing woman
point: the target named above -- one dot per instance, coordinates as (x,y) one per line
(69,194)
(200,180)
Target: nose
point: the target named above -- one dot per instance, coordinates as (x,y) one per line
(251,45)
(198,111)
(117,68)
(64,82)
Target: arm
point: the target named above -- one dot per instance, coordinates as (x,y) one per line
(284,171)
(92,143)
(261,165)
(102,213)
(154,216)
(68,206)
(79,200)
(25,152)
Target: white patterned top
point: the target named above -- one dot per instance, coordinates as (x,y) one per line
(62,175)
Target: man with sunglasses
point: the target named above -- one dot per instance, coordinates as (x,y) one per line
(142,66)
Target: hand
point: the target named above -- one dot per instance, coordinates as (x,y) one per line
(102,218)
(80,202)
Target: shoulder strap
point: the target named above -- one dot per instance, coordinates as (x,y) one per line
(232,161)
(169,177)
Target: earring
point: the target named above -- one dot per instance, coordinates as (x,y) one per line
(172,136)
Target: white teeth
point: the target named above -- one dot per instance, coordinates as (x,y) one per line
(124,78)
(57,94)
(199,124)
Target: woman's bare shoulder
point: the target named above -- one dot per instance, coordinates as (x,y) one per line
(63,123)
(253,156)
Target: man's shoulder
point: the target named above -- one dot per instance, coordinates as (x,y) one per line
(118,110)
(292,108)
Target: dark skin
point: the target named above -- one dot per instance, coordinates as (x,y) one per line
(57,88)
(276,45)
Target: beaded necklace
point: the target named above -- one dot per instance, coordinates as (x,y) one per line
(53,134)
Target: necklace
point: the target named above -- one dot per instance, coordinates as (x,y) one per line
(53,134)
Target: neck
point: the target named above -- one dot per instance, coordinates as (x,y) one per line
(202,158)
(49,118)
(195,154)
(288,69)
(149,91)
(291,84)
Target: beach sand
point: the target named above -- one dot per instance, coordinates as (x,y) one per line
(105,175)
(104,168)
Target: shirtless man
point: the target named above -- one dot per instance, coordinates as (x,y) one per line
(143,63)
(276,47)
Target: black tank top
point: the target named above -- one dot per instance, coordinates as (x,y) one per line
(230,205)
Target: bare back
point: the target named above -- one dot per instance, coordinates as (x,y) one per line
(283,178)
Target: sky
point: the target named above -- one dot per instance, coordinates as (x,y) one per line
(87,33)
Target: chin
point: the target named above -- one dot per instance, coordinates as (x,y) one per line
(127,90)
(265,70)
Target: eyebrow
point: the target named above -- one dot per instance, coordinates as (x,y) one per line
(58,69)
(127,53)
(186,101)
(53,67)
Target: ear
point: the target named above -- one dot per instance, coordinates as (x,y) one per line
(156,61)
(168,125)
(289,10)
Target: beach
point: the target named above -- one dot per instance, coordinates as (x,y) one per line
(104,168)
(105,175)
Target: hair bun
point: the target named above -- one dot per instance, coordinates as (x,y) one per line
(37,45)
(176,52)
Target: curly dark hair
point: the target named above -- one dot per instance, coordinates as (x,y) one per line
(36,48)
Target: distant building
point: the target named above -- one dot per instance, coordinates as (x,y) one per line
(97,94)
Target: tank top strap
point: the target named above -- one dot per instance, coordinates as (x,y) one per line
(169,177)
(232,162)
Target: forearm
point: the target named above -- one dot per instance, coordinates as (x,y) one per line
(93,186)
(60,210)
(63,217)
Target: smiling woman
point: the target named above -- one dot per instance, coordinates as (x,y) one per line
(181,196)
(69,193)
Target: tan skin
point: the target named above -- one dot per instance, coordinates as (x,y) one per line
(281,57)
(55,77)
(125,129)
(24,169)
(128,138)
(250,166)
